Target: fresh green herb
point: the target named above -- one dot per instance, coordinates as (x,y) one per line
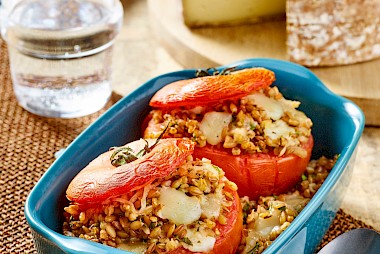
(194,137)
(226,71)
(202,73)
(71,223)
(124,155)
(216,167)
(254,249)
(214,72)
(185,240)
(143,151)
(252,127)
(152,225)
(246,207)
(282,208)
(304,178)
(245,216)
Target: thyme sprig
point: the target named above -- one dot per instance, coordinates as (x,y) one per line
(214,72)
(124,155)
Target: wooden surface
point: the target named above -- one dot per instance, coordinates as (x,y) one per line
(208,47)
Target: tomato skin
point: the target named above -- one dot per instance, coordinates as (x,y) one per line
(258,174)
(210,89)
(101,180)
(230,234)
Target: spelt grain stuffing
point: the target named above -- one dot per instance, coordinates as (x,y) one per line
(261,122)
(266,218)
(183,209)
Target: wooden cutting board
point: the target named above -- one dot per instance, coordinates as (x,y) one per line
(209,47)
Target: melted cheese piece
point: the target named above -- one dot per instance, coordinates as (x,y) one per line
(211,205)
(138,248)
(264,226)
(278,129)
(212,126)
(251,240)
(207,166)
(200,241)
(179,208)
(296,201)
(273,108)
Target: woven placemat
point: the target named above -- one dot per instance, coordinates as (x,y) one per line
(27,147)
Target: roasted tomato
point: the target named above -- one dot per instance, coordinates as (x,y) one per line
(211,89)
(101,180)
(259,174)
(151,196)
(242,124)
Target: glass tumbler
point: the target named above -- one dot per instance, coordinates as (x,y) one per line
(60,54)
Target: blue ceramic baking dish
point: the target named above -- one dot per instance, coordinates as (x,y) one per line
(338,125)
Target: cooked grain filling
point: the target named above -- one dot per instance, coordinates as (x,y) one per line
(261,122)
(183,209)
(266,218)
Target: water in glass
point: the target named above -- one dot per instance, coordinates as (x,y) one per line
(61,54)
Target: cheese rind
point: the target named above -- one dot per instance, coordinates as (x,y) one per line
(198,13)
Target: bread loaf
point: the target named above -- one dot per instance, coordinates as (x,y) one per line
(332,32)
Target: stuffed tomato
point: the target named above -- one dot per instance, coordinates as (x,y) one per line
(241,123)
(153,197)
